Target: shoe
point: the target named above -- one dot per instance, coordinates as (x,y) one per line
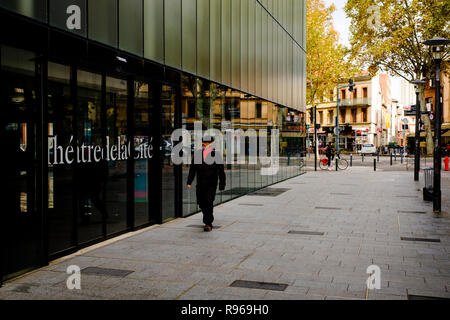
(207,228)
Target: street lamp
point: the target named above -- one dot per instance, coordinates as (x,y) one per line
(437,47)
(418,86)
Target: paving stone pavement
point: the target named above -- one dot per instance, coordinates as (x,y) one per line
(362,215)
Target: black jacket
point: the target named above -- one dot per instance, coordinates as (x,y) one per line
(208,176)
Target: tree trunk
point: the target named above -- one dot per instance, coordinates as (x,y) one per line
(427,122)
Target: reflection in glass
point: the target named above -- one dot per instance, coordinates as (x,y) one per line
(19,99)
(142,140)
(116,131)
(91,177)
(166,146)
(189,116)
(60,176)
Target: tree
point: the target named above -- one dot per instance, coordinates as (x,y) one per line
(326,62)
(388,34)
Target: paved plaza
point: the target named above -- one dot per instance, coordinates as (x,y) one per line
(317,238)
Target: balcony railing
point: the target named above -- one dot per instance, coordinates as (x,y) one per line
(356,102)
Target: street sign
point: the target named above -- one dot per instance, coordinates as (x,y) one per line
(410,111)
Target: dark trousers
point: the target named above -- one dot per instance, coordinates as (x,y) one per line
(208,217)
(330,159)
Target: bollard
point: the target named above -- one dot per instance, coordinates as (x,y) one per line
(336,164)
(362,157)
(391,159)
(378,157)
(395,157)
(402,159)
(351,160)
(374,164)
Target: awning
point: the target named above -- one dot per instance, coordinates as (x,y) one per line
(447,134)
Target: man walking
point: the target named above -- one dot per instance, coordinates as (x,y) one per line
(209,172)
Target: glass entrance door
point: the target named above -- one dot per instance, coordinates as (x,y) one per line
(21,218)
(168,100)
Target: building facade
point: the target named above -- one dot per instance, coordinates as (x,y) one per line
(364,114)
(93,90)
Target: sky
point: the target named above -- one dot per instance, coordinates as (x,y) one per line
(340,21)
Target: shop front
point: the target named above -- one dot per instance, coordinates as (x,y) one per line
(87,133)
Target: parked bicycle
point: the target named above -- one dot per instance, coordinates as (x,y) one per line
(342,163)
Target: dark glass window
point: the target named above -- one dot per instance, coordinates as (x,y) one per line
(19,98)
(258,110)
(365,93)
(60,176)
(69,15)
(343,115)
(116,131)
(330,117)
(364,115)
(168,96)
(91,176)
(103,21)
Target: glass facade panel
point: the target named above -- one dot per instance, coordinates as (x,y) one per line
(215,41)
(203,37)
(172,29)
(189,112)
(36,9)
(60,176)
(130,26)
(251,47)
(189,36)
(168,97)
(235,111)
(264,51)
(91,177)
(244,45)
(236,44)
(154,30)
(103,21)
(226,42)
(226,127)
(117,133)
(69,15)
(258,51)
(142,141)
(19,99)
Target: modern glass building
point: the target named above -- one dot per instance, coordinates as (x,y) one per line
(91,91)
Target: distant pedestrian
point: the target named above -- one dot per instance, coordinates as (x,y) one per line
(209,173)
(330,154)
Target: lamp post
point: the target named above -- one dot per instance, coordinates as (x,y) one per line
(417,85)
(437,46)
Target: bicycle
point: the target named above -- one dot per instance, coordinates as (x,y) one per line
(342,163)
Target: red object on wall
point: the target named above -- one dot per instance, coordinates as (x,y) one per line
(446,160)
